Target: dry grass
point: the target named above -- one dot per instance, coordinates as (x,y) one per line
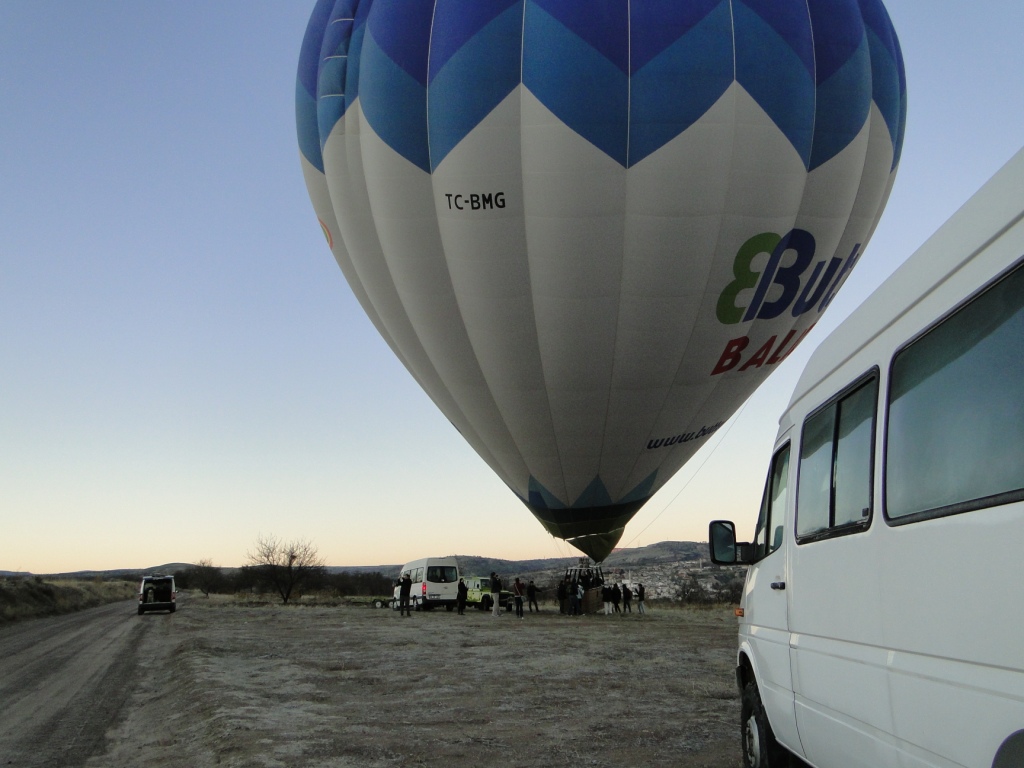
(340,687)
(30,598)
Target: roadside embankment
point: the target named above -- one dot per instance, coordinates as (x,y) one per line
(29,598)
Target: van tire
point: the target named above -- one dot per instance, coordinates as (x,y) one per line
(760,749)
(485,603)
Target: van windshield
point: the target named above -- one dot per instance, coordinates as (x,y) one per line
(443,574)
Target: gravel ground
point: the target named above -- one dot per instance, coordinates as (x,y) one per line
(223,683)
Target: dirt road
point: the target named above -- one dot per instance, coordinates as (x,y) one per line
(63,681)
(221,683)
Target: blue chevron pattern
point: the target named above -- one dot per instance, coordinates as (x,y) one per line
(628,77)
(594,495)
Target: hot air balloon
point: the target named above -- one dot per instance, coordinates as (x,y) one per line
(589,230)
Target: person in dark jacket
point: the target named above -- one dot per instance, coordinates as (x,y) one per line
(405,589)
(463,593)
(616,596)
(640,599)
(518,590)
(561,593)
(627,598)
(575,595)
(531,596)
(606,598)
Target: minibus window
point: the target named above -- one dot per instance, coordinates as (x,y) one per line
(815,485)
(835,483)
(853,456)
(442,574)
(770,522)
(955,432)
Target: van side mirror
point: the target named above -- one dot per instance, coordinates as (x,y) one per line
(724,548)
(722,542)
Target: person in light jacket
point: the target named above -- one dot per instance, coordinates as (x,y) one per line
(495,594)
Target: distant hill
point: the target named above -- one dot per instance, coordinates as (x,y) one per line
(470,565)
(664,552)
(117,573)
(654,554)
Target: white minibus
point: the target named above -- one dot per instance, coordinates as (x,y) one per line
(882,619)
(435,582)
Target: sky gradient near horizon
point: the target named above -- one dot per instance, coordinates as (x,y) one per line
(183,365)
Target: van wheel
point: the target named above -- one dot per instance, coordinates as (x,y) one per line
(760,749)
(378,603)
(485,603)
(449,608)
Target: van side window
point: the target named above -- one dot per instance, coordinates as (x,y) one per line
(835,482)
(770,522)
(955,430)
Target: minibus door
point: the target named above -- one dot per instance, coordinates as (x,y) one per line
(766,611)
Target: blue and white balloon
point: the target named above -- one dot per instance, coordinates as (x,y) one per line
(591,229)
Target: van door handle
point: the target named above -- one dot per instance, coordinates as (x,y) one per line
(778,585)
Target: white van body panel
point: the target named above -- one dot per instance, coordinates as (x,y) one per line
(904,638)
(428,590)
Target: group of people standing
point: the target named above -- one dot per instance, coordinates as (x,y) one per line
(613,595)
(571,597)
(519,591)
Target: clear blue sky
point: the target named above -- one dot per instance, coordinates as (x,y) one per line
(182,365)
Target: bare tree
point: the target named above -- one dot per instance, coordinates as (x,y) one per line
(206,577)
(286,566)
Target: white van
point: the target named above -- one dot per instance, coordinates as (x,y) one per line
(435,582)
(157,593)
(882,621)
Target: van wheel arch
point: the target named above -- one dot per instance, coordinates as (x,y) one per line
(1011,753)
(760,749)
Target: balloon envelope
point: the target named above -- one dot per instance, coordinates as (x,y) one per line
(590,230)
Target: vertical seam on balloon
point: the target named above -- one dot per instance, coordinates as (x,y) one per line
(415,349)
(806,163)
(814,81)
(629,76)
(814,118)
(883,198)
(426,95)
(500,461)
(526,245)
(901,87)
(522,58)
(623,254)
(707,288)
(732,30)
